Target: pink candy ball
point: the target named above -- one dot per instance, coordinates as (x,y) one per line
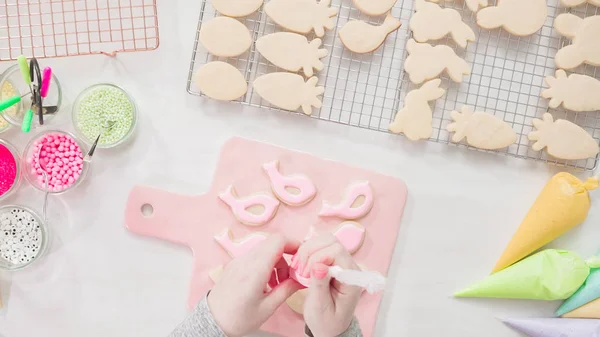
(61,157)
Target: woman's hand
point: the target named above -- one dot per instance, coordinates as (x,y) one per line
(329,306)
(239,301)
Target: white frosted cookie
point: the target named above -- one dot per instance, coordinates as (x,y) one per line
(302,16)
(226,37)
(585,47)
(563,139)
(289,91)
(431,22)
(575,92)
(296,301)
(574,3)
(237,8)
(361,37)
(425,62)
(482,130)
(473,5)
(374,7)
(518,17)
(415,118)
(292,52)
(221,81)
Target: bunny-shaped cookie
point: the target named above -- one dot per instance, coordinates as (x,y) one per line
(415,118)
(425,62)
(432,22)
(585,46)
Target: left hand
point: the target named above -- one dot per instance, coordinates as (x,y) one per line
(239,301)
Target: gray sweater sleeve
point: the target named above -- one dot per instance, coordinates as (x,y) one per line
(199,323)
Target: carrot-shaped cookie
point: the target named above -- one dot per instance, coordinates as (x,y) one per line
(584,47)
(432,22)
(482,130)
(361,37)
(575,92)
(289,91)
(292,52)
(415,118)
(562,205)
(425,62)
(563,139)
(302,16)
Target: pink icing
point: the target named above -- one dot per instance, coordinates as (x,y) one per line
(239,207)
(240,247)
(345,210)
(280,182)
(305,281)
(350,235)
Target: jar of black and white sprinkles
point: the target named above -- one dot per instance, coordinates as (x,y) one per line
(23,237)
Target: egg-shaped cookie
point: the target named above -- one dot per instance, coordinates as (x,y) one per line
(221,81)
(226,37)
(237,8)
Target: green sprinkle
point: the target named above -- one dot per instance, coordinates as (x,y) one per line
(101,107)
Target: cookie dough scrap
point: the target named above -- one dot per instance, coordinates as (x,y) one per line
(415,118)
(361,37)
(237,8)
(432,22)
(302,16)
(374,7)
(574,3)
(289,91)
(518,17)
(226,37)
(425,62)
(221,81)
(292,52)
(296,301)
(563,139)
(585,46)
(575,92)
(473,5)
(481,129)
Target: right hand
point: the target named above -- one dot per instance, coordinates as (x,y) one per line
(330,305)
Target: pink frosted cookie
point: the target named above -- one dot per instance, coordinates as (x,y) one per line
(351,235)
(293,190)
(255,210)
(356,204)
(237,248)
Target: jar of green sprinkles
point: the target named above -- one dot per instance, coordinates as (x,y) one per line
(104,110)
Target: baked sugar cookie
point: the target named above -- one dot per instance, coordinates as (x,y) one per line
(226,37)
(255,210)
(574,3)
(473,5)
(302,16)
(289,91)
(482,130)
(575,92)
(415,118)
(425,62)
(518,17)
(221,81)
(292,52)
(585,47)
(563,139)
(294,190)
(361,37)
(351,235)
(357,203)
(296,301)
(241,247)
(374,7)
(431,22)
(236,8)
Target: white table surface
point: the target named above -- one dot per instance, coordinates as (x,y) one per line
(100,280)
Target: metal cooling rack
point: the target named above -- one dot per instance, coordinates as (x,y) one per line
(367,90)
(56,28)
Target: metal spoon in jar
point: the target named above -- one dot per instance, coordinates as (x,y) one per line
(107,125)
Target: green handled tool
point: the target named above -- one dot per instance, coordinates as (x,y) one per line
(27,119)
(24,66)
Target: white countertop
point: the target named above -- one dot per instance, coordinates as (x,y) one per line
(100,280)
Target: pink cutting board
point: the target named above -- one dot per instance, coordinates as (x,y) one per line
(193,220)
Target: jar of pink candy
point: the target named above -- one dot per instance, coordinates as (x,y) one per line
(57,155)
